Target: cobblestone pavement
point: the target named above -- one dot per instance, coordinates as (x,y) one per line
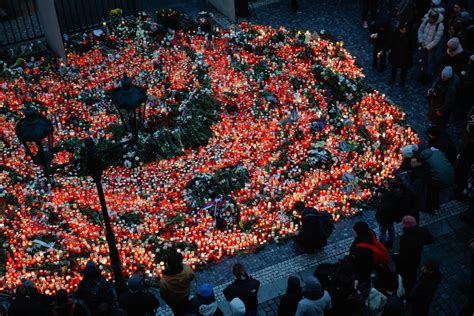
(451,249)
(341,19)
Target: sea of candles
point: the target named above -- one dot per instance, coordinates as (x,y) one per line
(269,133)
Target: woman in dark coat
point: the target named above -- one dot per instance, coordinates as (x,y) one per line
(289,301)
(402,47)
(408,259)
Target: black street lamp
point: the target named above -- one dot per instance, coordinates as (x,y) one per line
(130,101)
(37,130)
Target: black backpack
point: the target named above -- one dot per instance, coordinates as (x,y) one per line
(326,224)
(395,305)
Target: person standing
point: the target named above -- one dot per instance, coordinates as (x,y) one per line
(245,288)
(439,139)
(366,251)
(380,37)
(29,302)
(456,56)
(442,97)
(175,284)
(316,301)
(368,6)
(441,174)
(430,34)
(423,292)
(135,300)
(289,301)
(402,47)
(204,303)
(408,258)
(387,211)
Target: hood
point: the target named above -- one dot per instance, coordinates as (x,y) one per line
(208,310)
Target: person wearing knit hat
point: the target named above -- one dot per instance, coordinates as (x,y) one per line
(237,307)
(430,34)
(408,222)
(447,73)
(316,301)
(136,301)
(92,284)
(409,150)
(442,97)
(204,303)
(412,241)
(456,56)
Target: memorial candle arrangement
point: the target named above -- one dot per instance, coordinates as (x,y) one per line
(289,108)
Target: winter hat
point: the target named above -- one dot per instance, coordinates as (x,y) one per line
(408,221)
(135,283)
(447,72)
(471,58)
(454,47)
(237,307)
(436,3)
(206,291)
(433,14)
(27,282)
(311,284)
(91,269)
(409,150)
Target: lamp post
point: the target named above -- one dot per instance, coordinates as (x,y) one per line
(130,101)
(36,133)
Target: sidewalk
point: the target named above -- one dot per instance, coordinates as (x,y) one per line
(450,247)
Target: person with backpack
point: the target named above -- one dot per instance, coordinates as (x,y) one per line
(385,296)
(175,283)
(423,292)
(136,301)
(366,251)
(315,229)
(387,210)
(204,303)
(430,34)
(245,288)
(341,281)
(316,301)
(95,291)
(408,258)
(289,301)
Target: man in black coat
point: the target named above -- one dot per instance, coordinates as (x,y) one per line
(245,288)
(408,259)
(425,288)
(402,47)
(136,301)
(442,97)
(29,302)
